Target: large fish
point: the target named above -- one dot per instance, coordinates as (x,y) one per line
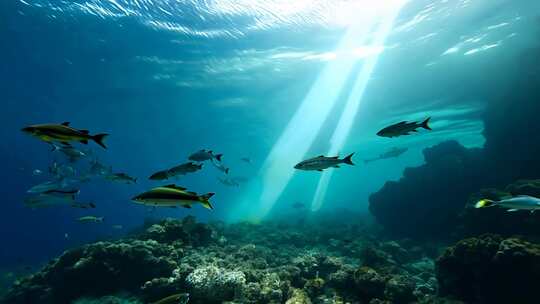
(404,128)
(204,155)
(63,133)
(320,163)
(521,202)
(173,196)
(394,152)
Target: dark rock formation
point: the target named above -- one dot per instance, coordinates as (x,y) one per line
(427,200)
(490,269)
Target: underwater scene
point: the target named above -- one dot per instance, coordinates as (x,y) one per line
(270,151)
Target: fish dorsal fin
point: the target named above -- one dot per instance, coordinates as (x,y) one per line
(401,123)
(66,123)
(84,131)
(320,156)
(173,186)
(192,193)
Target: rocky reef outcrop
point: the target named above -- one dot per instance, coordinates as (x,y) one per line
(432,195)
(490,269)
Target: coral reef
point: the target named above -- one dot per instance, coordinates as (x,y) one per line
(490,269)
(265,263)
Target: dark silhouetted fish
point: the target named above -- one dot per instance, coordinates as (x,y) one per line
(404,128)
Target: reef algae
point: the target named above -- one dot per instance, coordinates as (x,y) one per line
(490,269)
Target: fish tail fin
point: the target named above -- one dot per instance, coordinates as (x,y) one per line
(54,147)
(348,159)
(204,200)
(219,156)
(425,124)
(484,203)
(99,138)
(92,205)
(227,171)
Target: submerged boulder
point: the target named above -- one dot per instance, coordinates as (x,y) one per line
(490,269)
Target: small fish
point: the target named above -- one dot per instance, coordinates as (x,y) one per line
(160,175)
(404,128)
(320,163)
(70,152)
(83,205)
(228,182)
(184,169)
(121,177)
(299,205)
(520,202)
(97,168)
(172,196)
(246,160)
(394,152)
(181,298)
(64,134)
(204,155)
(90,219)
(61,171)
(46,186)
(221,167)
(63,193)
(117,227)
(44,201)
(37,172)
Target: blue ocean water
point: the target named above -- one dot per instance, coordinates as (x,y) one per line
(264,80)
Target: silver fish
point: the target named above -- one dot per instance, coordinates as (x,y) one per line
(90,219)
(320,163)
(70,152)
(394,152)
(520,202)
(221,167)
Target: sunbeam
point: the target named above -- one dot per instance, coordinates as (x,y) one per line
(346,121)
